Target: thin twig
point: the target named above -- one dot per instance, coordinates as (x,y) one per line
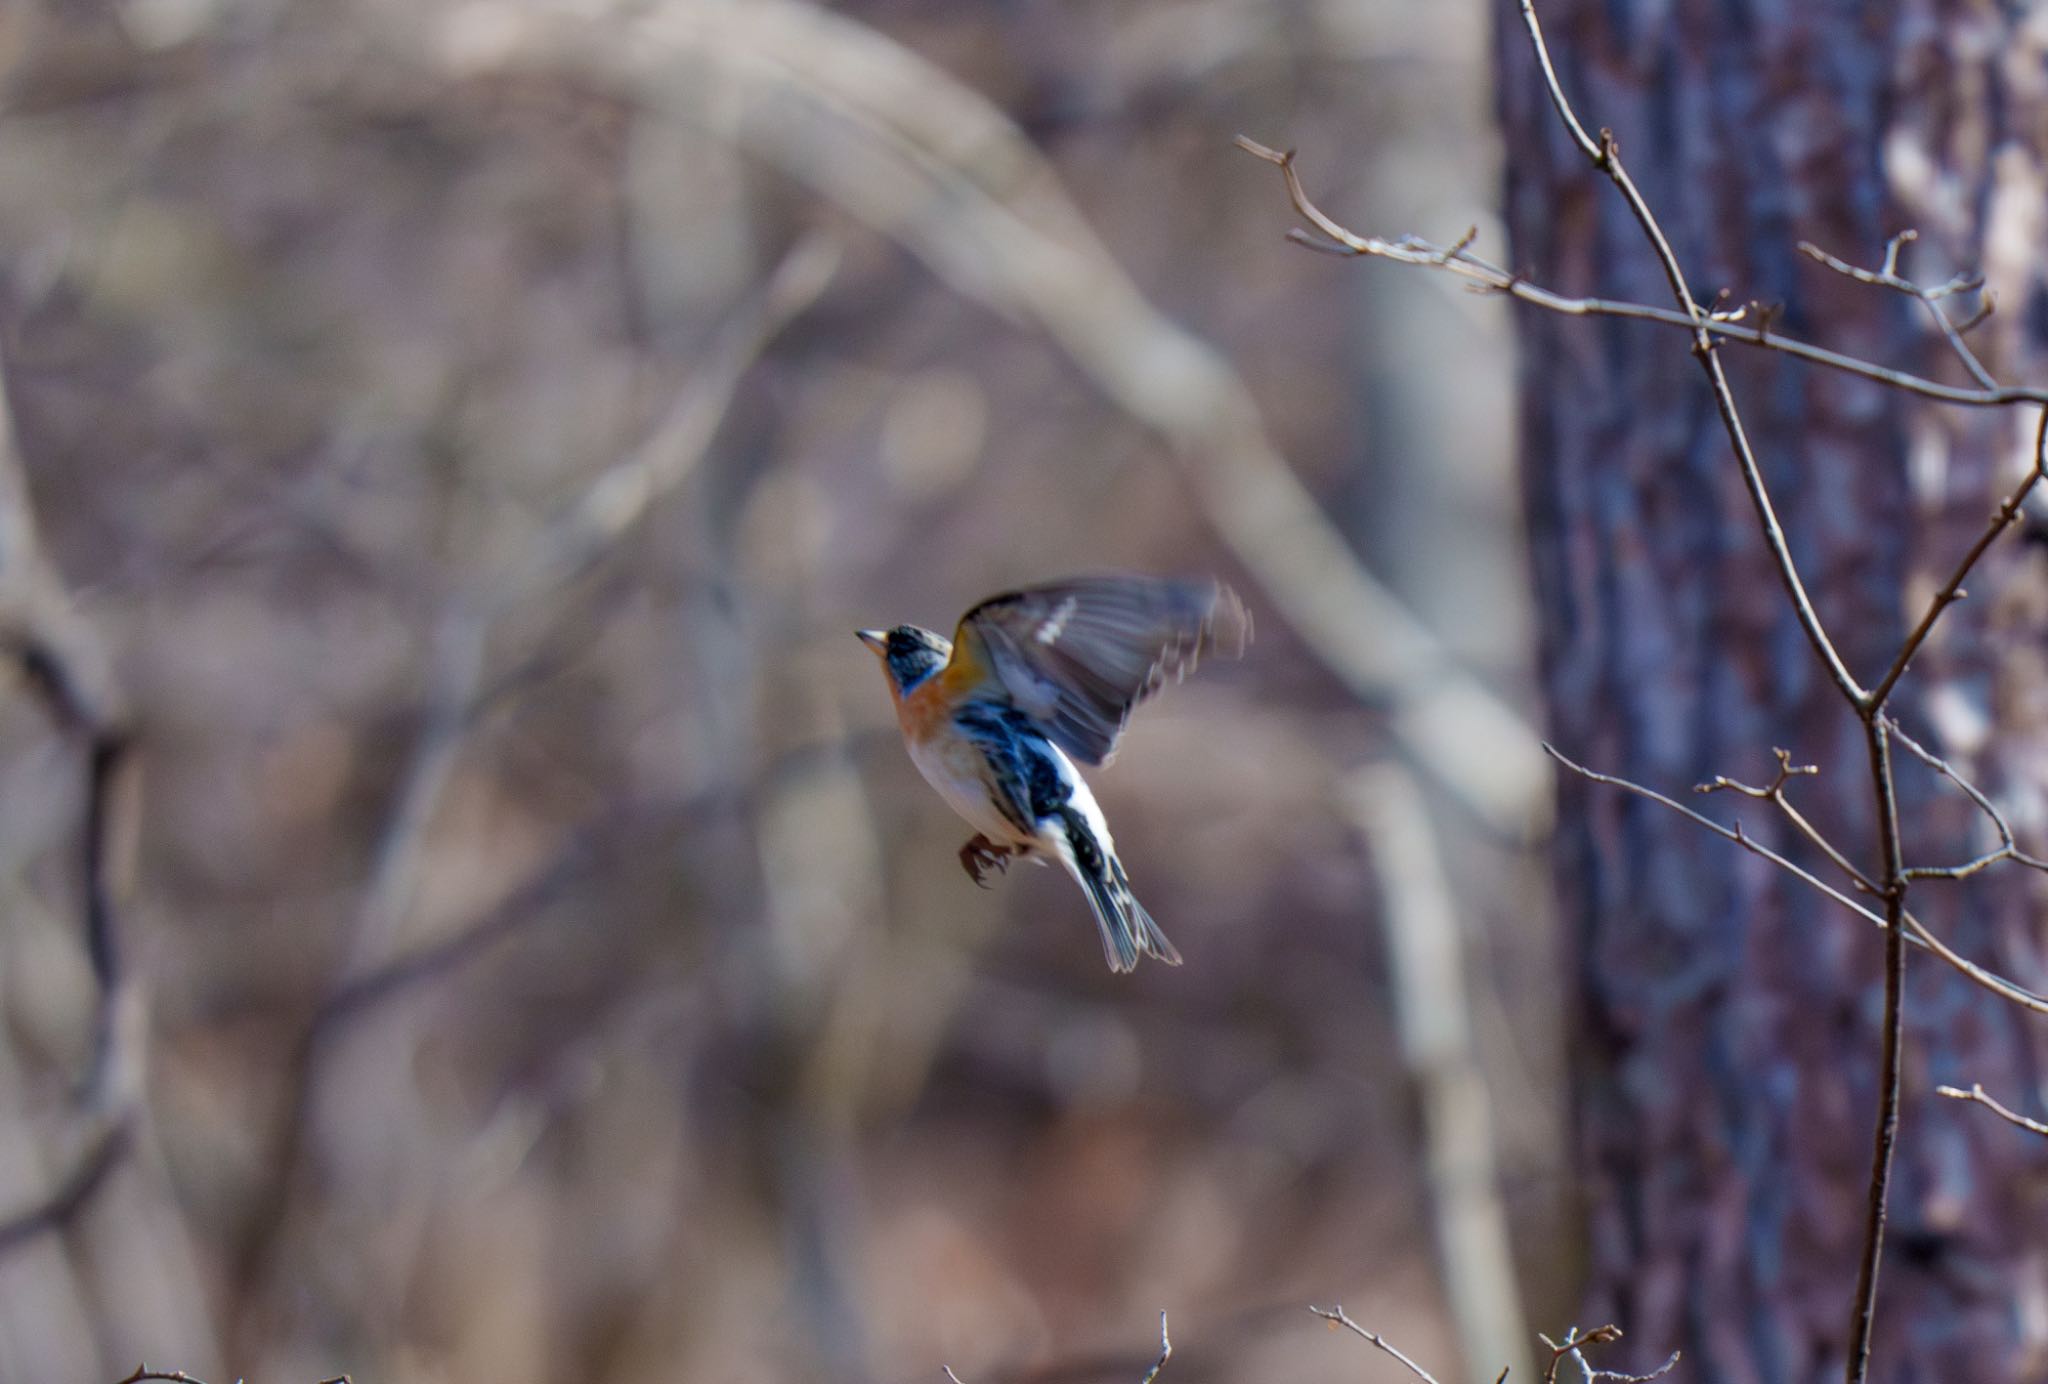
(1917,933)
(1976,1093)
(62,1203)
(1336,1317)
(569,543)
(70,672)
(1165,1353)
(1425,946)
(2008,846)
(1492,278)
(1929,298)
(1774,793)
(1952,590)
(1571,1345)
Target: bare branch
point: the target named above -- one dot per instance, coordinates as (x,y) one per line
(1574,1345)
(2008,848)
(1571,1346)
(1774,793)
(1917,933)
(1929,298)
(1735,833)
(56,1209)
(1976,1093)
(1724,326)
(574,539)
(1425,947)
(68,668)
(1336,1317)
(1885,1138)
(1770,792)
(1952,590)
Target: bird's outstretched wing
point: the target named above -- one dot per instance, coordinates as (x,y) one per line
(1077,655)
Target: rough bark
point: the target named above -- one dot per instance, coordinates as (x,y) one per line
(1727,1021)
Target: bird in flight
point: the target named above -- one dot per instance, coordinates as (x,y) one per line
(1031,681)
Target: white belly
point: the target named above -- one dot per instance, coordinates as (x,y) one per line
(953,765)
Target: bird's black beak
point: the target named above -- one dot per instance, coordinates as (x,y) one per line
(878,640)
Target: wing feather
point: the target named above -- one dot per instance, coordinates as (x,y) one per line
(1076,656)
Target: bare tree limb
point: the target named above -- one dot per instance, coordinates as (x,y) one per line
(568,544)
(1952,590)
(1917,933)
(71,673)
(1747,326)
(1929,298)
(2008,847)
(1573,1348)
(1426,946)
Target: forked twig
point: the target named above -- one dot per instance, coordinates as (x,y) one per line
(1929,298)
(1917,933)
(2008,847)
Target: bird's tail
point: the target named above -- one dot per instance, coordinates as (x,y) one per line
(1128,931)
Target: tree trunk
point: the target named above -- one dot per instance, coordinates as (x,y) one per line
(1728,1018)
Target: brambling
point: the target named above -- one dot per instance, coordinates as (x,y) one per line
(1031,681)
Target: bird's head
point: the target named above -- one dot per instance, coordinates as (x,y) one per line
(908,653)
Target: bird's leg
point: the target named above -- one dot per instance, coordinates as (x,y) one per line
(980,855)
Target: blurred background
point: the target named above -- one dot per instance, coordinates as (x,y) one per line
(472,432)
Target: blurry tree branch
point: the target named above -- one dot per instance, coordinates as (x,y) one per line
(1917,933)
(1929,298)
(69,670)
(1426,943)
(575,539)
(144,1372)
(567,545)
(926,160)
(2008,846)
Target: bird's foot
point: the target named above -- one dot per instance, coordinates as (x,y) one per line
(981,855)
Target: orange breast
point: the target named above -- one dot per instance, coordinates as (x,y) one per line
(928,706)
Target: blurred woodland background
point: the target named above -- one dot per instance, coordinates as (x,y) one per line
(473,431)
(465,910)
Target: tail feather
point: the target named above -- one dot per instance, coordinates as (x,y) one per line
(1128,931)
